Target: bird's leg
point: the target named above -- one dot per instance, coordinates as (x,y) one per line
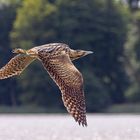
(19,51)
(31,52)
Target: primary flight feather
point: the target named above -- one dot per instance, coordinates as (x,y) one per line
(57,60)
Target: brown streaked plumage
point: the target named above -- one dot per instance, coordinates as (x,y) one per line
(15,66)
(57,60)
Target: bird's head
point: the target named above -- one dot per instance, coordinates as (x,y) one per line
(83,53)
(75,54)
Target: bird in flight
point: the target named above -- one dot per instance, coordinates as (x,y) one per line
(57,60)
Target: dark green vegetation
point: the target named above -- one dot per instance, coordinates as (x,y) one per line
(110,28)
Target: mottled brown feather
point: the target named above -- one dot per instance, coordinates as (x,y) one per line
(70,82)
(15,66)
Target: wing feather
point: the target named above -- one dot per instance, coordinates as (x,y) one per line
(15,66)
(70,82)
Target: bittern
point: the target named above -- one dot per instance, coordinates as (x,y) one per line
(57,60)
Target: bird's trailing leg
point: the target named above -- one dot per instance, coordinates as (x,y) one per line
(31,52)
(19,51)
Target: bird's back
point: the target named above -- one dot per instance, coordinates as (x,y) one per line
(51,47)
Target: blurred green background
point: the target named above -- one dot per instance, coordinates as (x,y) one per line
(110,28)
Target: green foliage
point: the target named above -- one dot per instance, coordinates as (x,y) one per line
(132,48)
(95,97)
(124,108)
(97,25)
(7,16)
(30,24)
(91,25)
(133,93)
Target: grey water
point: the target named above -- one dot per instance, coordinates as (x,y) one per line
(63,127)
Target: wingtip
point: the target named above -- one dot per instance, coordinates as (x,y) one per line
(82,123)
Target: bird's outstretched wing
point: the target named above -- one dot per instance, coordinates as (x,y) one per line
(70,82)
(15,66)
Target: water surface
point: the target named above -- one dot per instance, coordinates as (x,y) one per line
(63,127)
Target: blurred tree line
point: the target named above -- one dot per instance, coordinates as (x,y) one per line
(110,28)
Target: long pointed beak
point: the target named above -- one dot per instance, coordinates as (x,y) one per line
(88,52)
